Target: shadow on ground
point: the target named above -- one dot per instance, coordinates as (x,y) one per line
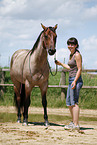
(42,124)
(55,124)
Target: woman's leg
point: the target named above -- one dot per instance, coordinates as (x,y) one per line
(71,111)
(75,111)
(70,125)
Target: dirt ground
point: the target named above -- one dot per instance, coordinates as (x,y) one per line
(36,134)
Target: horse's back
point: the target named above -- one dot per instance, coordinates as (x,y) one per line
(17,61)
(18,57)
(21,53)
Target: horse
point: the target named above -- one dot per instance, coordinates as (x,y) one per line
(30,68)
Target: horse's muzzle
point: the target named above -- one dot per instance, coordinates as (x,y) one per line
(51,52)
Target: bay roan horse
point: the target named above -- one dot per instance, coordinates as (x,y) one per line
(30,68)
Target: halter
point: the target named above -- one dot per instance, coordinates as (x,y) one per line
(46,31)
(51,29)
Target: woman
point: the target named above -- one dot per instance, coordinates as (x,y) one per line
(75,81)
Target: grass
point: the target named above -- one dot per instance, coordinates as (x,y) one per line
(87,99)
(12,117)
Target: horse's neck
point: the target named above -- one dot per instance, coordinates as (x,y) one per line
(40,54)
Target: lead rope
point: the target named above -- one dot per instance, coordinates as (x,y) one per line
(50,67)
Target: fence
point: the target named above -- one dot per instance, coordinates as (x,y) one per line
(62,83)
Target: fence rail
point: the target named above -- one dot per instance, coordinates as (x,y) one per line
(53,86)
(62,84)
(50,86)
(84,70)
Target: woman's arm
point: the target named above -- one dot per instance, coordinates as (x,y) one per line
(78,59)
(62,64)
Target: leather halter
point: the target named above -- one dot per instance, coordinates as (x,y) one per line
(46,31)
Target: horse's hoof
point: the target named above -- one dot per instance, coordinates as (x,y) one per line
(25,122)
(18,120)
(46,123)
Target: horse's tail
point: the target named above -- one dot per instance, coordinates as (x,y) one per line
(22,96)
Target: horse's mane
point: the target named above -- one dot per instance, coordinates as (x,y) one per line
(36,43)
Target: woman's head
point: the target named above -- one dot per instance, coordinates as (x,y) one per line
(73,40)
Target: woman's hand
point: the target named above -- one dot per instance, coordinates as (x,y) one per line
(73,85)
(57,62)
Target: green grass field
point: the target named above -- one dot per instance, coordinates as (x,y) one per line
(87,99)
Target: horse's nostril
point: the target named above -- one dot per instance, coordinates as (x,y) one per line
(51,52)
(55,50)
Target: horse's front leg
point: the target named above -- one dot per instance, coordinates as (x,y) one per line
(44,103)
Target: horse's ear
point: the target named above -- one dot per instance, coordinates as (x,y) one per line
(55,27)
(43,26)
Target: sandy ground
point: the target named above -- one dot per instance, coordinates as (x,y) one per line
(37,134)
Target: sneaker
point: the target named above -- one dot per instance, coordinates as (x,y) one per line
(72,127)
(69,126)
(76,127)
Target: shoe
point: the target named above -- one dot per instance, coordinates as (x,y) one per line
(72,127)
(76,127)
(69,126)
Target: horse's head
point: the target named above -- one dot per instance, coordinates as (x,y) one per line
(49,38)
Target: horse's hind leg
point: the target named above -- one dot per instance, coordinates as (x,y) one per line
(26,106)
(17,99)
(26,103)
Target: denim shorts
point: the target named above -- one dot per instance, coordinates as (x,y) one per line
(73,94)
